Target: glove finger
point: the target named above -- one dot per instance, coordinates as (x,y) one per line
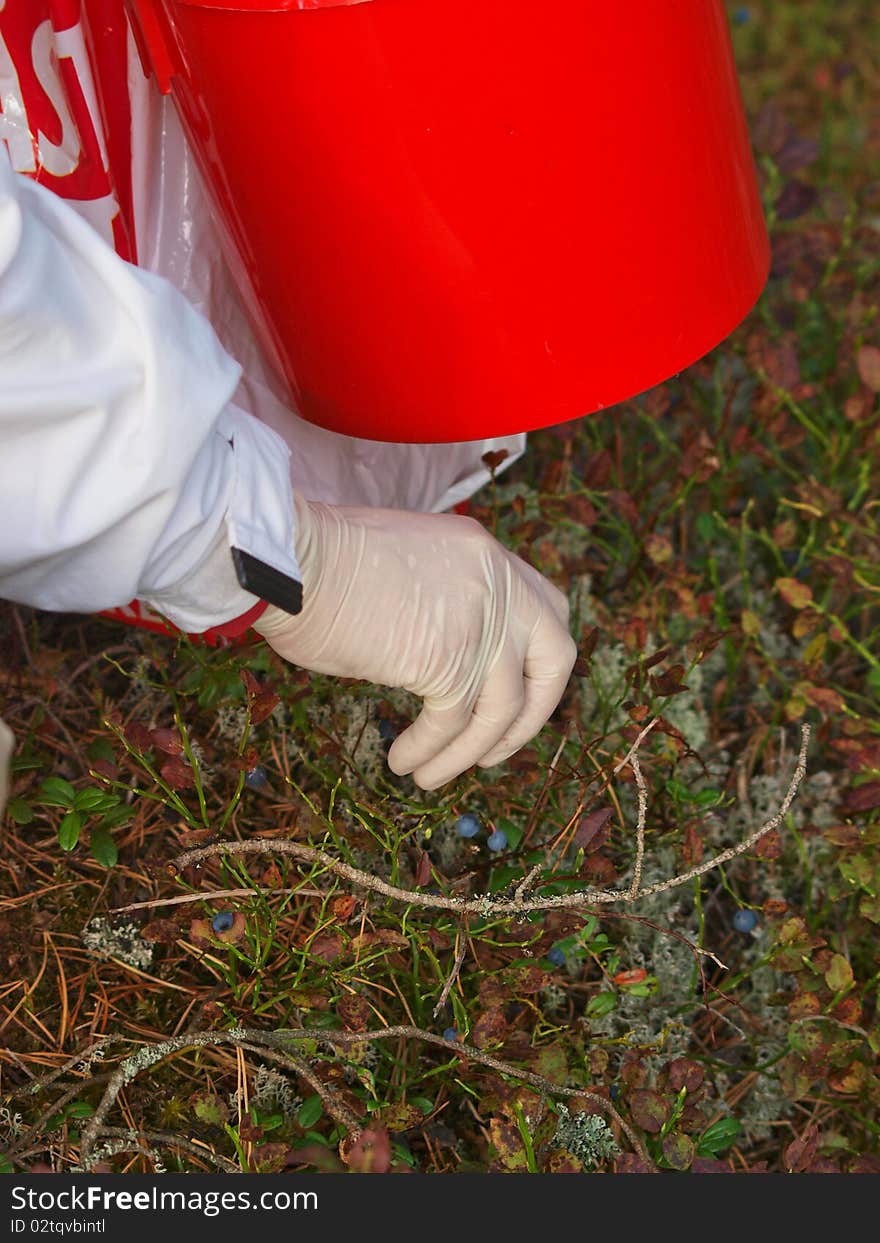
(432,730)
(548,664)
(498,705)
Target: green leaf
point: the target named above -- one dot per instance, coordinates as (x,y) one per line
(57,792)
(79,1109)
(839,975)
(115,816)
(601,1004)
(102,847)
(678,1151)
(718,1136)
(69,830)
(706,528)
(92,799)
(310,1111)
(20,811)
(101,749)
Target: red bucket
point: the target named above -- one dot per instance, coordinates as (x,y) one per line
(466,218)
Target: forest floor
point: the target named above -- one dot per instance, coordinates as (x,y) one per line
(343,979)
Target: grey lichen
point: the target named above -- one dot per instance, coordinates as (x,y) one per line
(586,1136)
(120,941)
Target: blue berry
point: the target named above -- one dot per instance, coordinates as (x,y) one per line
(497,840)
(556,956)
(387,730)
(467,825)
(742,15)
(614,1092)
(256,778)
(451,1033)
(223,921)
(745,920)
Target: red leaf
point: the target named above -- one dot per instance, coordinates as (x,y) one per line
(370,1153)
(167,740)
(683,1073)
(649,1109)
(261,698)
(708,1165)
(629,1163)
(138,736)
(177,773)
(634,976)
(862,798)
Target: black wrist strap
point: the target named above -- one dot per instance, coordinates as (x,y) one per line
(266,582)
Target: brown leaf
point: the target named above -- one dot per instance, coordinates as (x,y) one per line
(401,1117)
(801,1151)
(493,459)
(343,908)
(355,1012)
(161,931)
(868,365)
(507,1144)
(327,946)
(669,682)
(423,869)
(692,844)
(625,506)
(597,471)
(490,1028)
(849,1081)
(593,829)
(796,199)
(770,845)
(270,1158)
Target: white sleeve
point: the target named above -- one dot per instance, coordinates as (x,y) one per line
(125,471)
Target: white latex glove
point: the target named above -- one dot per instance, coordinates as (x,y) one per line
(432,603)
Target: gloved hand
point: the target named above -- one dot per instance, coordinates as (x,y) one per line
(434,604)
